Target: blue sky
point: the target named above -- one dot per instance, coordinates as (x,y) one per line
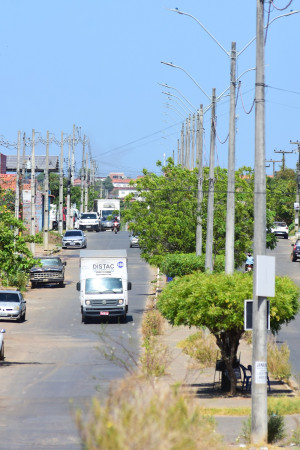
(97,64)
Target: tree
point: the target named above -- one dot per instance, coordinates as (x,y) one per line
(281,195)
(216,301)
(108,185)
(15,257)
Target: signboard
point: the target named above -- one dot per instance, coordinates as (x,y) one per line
(296,206)
(265,276)
(261,372)
(248,315)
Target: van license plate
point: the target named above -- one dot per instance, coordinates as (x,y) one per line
(104,313)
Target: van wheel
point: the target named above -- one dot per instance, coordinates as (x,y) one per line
(124,318)
(2,353)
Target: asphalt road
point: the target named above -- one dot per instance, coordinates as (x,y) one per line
(54,364)
(289,333)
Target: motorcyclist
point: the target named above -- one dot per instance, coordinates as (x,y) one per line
(249,261)
(116,224)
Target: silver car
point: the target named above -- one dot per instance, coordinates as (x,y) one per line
(12,305)
(74,239)
(133,241)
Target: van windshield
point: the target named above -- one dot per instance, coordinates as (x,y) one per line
(103,285)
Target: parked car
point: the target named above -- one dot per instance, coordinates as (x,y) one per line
(48,270)
(280,229)
(74,239)
(12,305)
(2,344)
(133,241)
(296,251)
(89,221)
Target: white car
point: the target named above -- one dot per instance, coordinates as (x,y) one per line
(89,221)
(280,229)
(12,305)
(2,344)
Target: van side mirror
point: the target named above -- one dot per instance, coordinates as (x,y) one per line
(78,286)
(129,285)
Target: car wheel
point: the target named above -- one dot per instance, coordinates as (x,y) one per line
(286,236)
(2,353)
(61,284)
(24,317)
(84,319)
(33,284)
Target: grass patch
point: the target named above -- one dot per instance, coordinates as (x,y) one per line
(155,358)
(278,360)
(140,416)
(202,347)
(152,323)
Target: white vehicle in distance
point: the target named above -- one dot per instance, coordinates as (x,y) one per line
(280,229)
(89,221)
(133,241)
(74,239)
(12,305)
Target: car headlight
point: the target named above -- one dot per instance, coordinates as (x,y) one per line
(16,308)
(88,302)
(121,301)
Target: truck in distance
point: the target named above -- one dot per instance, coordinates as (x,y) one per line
(103,286)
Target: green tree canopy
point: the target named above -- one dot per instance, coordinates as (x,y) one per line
(216,301)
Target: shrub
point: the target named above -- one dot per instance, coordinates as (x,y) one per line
(152,323)
(154,359)
(177,265)
(136,416)
(278,360)
(276,428)
(202,347)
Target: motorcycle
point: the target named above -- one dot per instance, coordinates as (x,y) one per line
(116,227)
(248,267)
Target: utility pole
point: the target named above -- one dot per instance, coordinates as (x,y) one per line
(32,202)
(82,176)
(17,199)
(46,197)
(283,157)
(23,169)
(73,157)
(273,161)
(298,187)
(61,185)
(199,159)
(259,422)
(230,211)
(186,153)
(182,146)
(211,189)
(193,144)
(86,184)
(68,217)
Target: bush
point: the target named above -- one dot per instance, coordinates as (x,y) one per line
(136,416)
(152,323)
(278,360)
(154,359)
(177,265)
(276,428)
(202,347)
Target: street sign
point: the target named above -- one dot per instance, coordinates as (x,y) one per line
(248,315)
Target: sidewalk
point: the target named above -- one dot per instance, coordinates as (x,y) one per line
(204,385)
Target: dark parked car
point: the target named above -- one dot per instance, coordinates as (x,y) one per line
(74,239)
(49,270)
(12,305)
(296,251)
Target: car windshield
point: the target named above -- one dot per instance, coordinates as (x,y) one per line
(73,233)
(88,216)
(9,297)
(280,224)
(101,285)
(50,262)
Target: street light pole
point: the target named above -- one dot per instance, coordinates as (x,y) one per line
(259,421)
(211,189)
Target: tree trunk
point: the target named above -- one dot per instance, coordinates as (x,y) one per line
(228,342)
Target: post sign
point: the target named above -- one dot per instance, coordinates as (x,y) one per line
(296,206)
(248,315)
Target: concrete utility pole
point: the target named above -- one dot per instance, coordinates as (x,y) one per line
(230,209)
(68,217)
(182,146)
(73,157)
(178,152)
(23,169)
(272,161)
(298,187)
(61,185)
(82,176)
(187,150)
(192,161)
(17,199)
(32,202)
(46,197)
(259,421)
(211,188)
(283,157)
(86,184)
(199,158)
